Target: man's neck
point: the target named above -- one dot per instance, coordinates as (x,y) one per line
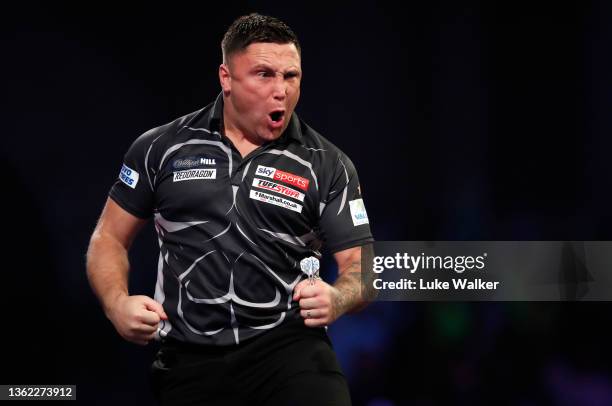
(243,143)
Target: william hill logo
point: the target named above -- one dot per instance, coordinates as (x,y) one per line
(193,162)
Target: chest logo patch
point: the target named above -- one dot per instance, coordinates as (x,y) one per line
(192,162)
(278,188)
(275,200)
(195,174)
(282,176)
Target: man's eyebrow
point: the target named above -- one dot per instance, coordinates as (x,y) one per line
(262,66)
(292,69)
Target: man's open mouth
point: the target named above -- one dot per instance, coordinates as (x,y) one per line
(277,115)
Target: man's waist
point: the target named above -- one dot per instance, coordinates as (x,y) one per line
(291,327)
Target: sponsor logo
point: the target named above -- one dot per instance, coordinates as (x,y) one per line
(275,187)
(129,176)
(358,212)
(266,171)
(195,174)
(275,200)
(192,162)
(282,176)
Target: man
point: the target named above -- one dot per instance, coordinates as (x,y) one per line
(243,193)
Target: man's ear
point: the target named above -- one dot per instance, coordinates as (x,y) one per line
(225,79)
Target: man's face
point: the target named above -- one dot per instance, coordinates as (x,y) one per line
(262,86)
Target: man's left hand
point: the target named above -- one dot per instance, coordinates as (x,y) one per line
(317,302)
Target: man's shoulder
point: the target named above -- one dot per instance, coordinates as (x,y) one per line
(195,119)
(315,141)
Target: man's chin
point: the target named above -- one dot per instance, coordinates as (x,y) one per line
(271,135)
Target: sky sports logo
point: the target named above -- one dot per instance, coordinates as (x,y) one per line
(275,187)
(282,176)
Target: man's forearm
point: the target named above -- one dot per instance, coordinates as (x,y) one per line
(348,285)
(354,286)
(107,269)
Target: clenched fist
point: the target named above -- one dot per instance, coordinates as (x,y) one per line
(317,302)
(136,318)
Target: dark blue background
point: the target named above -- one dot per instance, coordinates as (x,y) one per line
(466,121)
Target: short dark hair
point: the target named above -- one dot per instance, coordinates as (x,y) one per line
(255,27)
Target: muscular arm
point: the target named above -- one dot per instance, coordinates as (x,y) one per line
(107,255)
(134,317)
(351,296)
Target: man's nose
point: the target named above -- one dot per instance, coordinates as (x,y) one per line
(280,88)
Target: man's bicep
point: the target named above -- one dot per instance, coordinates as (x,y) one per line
(117,223)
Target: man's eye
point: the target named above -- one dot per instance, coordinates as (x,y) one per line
(263,74)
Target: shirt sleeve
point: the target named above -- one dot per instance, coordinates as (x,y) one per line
(133,189)
(343,221)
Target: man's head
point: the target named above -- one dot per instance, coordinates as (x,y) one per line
(260,76)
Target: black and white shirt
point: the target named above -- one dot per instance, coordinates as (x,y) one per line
(232,230)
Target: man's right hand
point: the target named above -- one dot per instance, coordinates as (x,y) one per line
(136,318)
